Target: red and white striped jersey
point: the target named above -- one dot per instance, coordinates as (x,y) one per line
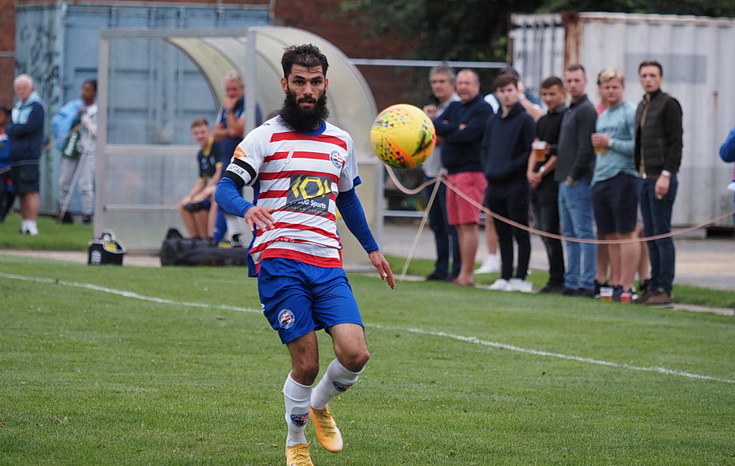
(299,175)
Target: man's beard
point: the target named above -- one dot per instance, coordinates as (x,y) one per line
(304,120)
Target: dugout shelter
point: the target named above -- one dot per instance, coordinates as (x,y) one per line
(141,173)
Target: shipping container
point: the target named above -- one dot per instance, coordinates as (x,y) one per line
(698,61)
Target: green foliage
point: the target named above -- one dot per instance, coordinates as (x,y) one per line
(467,30)
(687,7)
(478,29)
(183,369)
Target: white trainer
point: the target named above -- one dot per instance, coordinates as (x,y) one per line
(524,286)
(500,285)
(32,228)
(491,264)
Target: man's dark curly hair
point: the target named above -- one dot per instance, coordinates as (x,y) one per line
(306,55)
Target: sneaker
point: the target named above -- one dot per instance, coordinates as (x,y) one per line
(518,284)
(326,429)
(617,291)
(298,455)
(32,229)
(584,293)
(552,289)
(566,291)
(491,264)
(500,284)
(599,286)
(436,276)
(87,220)
(660,298)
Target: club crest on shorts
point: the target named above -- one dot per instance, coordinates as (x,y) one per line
(299,420)
(337,159)
(286,318)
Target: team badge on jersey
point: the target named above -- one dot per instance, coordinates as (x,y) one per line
(309,194)
(337,159)
(286,318)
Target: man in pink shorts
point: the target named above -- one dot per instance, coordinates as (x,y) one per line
(460,127)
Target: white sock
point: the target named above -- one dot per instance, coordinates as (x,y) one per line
(297,398)
(336,380)
(24,225)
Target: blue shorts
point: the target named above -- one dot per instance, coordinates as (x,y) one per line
(298,298)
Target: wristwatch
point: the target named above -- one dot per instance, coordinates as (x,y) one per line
(542,169)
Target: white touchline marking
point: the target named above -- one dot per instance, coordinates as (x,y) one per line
(130,294)
(474,340)
(505,346)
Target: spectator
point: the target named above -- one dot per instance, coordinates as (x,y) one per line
(602,274)
(658,151)
(727,149)
(195,208)
(491,264)
(229,130)
(529,102)
(25,131)
(76,125)
(727,154)
(574,173)
(506,145)
(7,193)
(461,127)
(615,183)
(441,78)
(544,190)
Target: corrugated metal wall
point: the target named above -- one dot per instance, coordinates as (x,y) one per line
(58,45)
(699,63)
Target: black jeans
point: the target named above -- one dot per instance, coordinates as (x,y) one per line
(445,236)
(510,200)
(544,200)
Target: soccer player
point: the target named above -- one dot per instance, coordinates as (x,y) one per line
(303,169)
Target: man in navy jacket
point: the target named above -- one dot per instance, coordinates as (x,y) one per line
(25,131)
(460,127)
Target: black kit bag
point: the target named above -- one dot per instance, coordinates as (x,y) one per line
(177,250)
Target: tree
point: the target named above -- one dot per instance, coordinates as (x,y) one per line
(445,30)
(478,29)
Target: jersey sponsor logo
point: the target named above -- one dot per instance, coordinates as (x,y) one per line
(309,194)
(239,153)
(286,319)
(337,159)
(340,387)
(299,420)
